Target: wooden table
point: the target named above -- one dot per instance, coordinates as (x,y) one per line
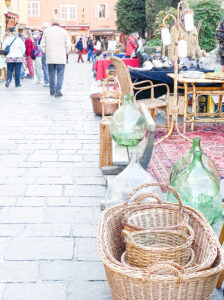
(193,86)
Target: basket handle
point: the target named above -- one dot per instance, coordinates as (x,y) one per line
(174,268)
(141,197)
(163,185)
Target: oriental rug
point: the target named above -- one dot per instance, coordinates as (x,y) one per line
(168,152)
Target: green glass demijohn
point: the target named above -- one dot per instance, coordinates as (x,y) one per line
(128,126)
(186,160)
(199,189)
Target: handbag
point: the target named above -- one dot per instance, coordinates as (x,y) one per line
(32,54)
(7,48)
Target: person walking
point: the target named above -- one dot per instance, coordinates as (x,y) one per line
(79,47)
(56,44)
(29,48)
(15,57)
(38,57)
(90,50)
(44,63)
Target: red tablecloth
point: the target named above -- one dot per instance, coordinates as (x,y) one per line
(102,64)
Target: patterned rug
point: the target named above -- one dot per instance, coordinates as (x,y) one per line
(168,152)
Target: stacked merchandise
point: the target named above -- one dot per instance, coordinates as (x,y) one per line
(158,250)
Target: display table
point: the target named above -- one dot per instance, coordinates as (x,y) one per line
(102,64)
(197,87)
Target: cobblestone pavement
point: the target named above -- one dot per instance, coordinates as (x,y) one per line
(50,190)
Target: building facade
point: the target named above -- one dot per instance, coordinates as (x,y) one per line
(91,17)
(15,15)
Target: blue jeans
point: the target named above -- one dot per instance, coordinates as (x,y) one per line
(60,69)
(45,68)
(10,69)
(22,71)
(90,55)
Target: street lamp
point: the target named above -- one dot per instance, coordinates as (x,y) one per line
(7,3)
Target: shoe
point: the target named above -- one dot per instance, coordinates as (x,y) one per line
(52,93)
(7,84)
(29,77)
(58,95)
(46,85)
(19,85)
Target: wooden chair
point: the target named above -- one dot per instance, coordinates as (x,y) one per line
(127,87)
(221,278)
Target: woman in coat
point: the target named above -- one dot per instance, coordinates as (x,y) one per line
(79,47)
(38,56)
(29,48)
(15,58)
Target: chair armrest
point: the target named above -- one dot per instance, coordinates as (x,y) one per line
(141,82)
(152,87)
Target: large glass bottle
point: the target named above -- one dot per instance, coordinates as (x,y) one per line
(128,126)
(186,160)
(130,178)
(199,189)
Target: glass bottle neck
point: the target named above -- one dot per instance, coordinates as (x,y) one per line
(196,145)
(127,99)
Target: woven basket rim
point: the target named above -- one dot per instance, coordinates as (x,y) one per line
(187,243)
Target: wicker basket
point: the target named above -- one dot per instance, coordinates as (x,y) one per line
(152,216)
(105,156)
(188,265)
(149,246)
(162,281)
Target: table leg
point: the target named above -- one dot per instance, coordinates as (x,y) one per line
(194,106)
(185,106)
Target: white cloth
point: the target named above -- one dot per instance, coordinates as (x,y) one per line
(112,45)
(17,49)
(98,46)
(38,68)
(56,43)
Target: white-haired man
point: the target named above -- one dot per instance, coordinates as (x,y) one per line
(56,44)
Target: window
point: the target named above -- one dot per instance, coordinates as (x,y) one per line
(68,12)
(33,9)
(56,11)
(102,11)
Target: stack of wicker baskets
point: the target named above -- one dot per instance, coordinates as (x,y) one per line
(189,267)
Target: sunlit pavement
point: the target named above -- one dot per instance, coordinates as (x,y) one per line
(50,191)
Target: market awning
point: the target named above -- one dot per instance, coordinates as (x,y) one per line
(103,31)
(12,15)
(84,27)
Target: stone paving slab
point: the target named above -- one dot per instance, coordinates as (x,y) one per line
(50,192)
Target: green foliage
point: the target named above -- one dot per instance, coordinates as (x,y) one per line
(153,7)
(159,20)
(154,43)
(131,16)
(211,14)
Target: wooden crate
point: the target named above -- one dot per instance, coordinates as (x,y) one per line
(105,158)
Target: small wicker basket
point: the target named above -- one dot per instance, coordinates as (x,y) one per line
(149,246)
(156,216)
(188,265)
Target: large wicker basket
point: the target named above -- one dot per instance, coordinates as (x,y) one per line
(149,246)
(150,215)
(161,281)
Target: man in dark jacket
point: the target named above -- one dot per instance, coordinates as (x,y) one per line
(220,37)
(79,47)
